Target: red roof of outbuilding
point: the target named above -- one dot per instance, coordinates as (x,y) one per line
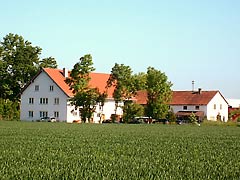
(192,98)
(141,97)
(183,97)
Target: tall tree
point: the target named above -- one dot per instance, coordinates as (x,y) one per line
(131,110)
(121,79)
(18,60)
(159,93)
(85,98)
(19,63)
(139,81)
(49,62)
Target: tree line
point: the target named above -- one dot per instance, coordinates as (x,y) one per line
(126,85)
(20,61)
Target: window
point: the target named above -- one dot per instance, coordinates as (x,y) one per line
(185,107)
(220,106)
(197,107)
(51,88)
(43,113)
(30,113)
(31,100)
(56,114)
(36,87)
(43,100)
(56,100)
(214,106)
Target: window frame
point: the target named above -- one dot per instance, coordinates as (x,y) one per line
(31,100)
(56,114)
(56,101)
(43,114)
(36,88)
(30,114)
(51,88)
(43,101)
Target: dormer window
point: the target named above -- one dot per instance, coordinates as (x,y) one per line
(51,88)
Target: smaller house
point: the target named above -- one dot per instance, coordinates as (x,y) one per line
(204,104)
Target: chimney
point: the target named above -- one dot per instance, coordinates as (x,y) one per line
(199,90)
(192,86)
(65,72)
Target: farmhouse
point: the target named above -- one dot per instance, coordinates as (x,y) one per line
(209,104)
(47,95)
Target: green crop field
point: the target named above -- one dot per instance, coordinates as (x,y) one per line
(118,151)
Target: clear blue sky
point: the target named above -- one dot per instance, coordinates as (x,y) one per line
(186,39)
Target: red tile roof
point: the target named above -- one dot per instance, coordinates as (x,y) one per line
(141,97)
(192,98)
(182,97)
(98,80)
(57,76)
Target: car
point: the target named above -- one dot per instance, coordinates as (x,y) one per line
(48,119)
(163,121)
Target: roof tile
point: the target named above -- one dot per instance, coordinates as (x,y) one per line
(98,80)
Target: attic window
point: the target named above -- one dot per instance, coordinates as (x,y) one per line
(197,107)
(214,106)
(36,87)
(184,107)
(51,88)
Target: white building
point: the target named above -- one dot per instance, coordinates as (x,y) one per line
(234,103)
(209,104)
(47,95)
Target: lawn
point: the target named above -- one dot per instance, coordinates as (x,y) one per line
(118,151)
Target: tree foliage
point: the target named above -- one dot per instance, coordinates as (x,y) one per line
(159,93)
(19,63)
(19,60)
(139,81)
(131,110)
(9,110)
(121,79)
(85,98)
(49,62)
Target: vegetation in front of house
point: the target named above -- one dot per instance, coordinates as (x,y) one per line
(118,151)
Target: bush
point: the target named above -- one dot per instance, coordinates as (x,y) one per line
(9,110)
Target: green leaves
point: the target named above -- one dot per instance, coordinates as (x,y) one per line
(49,62)
(19,63)
(85,98)
(159,93)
